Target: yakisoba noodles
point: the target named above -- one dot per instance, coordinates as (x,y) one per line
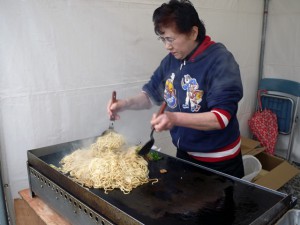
(106,164)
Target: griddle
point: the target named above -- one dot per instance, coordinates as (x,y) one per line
(188,194)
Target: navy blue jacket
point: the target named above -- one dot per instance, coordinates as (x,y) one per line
(209,81)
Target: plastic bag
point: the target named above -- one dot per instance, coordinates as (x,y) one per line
(252,167)
(263,124)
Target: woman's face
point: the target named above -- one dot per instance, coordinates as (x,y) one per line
(179,45)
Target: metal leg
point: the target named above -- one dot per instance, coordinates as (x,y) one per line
(291,140)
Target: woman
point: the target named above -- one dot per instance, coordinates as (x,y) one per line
(200,81)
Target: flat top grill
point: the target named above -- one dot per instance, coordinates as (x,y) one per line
(186,194)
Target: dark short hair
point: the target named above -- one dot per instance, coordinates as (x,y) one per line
(180,14)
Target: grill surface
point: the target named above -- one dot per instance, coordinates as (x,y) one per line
(186,194)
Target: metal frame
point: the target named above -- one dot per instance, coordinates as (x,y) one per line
(63,202)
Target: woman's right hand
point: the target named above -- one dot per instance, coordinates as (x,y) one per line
(138,102)
(113,108)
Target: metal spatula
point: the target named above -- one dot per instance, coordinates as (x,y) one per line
(147,147)
(112,117)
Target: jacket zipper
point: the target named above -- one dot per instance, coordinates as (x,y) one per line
(179,106)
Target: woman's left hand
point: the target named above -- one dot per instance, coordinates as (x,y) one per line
(163,121)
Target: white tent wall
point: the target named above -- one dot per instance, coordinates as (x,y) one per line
(60,61)
(282,55)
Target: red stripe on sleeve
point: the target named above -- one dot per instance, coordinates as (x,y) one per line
(224,112)
(220,120)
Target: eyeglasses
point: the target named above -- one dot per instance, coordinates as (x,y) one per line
(166,40)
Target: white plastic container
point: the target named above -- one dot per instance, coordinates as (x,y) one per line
(252,167)
(292,217)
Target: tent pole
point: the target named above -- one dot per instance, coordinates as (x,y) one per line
(3,210)
(263,39)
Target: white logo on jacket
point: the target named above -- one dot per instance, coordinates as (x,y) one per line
(193,95)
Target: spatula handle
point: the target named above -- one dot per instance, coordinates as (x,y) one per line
(162,108)
(160,111)
(113,100)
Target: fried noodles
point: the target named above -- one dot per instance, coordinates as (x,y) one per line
(107,164)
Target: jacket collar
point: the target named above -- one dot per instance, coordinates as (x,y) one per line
(200,48)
